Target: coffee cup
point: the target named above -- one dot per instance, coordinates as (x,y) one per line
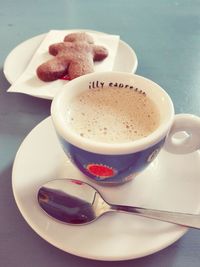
(112,125)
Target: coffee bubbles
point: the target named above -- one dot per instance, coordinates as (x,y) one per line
(113,115)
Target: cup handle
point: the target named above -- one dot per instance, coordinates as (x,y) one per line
(184,135)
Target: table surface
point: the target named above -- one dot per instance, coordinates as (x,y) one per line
(166,38)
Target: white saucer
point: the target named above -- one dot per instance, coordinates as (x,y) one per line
(19,57)
(171,183)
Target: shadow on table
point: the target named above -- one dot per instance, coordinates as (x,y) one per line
(4,85)
(20,112)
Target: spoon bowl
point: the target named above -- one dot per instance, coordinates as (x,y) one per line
(71,201)
(77,203)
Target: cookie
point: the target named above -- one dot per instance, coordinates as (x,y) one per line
(74,57)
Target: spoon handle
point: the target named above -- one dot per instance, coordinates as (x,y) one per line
(184,219)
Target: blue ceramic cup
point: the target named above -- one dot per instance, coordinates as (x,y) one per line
(116,163)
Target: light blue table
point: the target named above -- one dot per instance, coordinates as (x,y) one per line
(166,38)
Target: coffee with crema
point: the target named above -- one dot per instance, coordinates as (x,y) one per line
(113,115)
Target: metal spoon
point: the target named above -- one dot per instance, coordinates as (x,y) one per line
(76,202)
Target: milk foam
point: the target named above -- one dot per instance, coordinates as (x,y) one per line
(113,115)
